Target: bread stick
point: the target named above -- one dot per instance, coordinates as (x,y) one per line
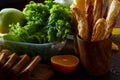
(107,8)
(97,12)
(82,23)
(99,30)
(83,29)
(112,17)
(89,5)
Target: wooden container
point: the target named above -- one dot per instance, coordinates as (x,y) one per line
(95,56)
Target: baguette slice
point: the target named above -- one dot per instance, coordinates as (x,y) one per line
(99,30)
(112,17)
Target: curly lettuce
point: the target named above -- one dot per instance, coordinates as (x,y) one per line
(46,22)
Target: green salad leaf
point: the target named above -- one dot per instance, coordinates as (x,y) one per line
(46,22)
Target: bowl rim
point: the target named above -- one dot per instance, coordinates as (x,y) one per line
(28,43)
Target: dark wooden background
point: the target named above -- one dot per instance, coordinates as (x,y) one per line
(19,4)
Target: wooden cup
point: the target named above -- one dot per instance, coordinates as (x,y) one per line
(95,56)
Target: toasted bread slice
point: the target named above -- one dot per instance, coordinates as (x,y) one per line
(11,60)
(25,73)
(21,63)
(3,59)
(31,65)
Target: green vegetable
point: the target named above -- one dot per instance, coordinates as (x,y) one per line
(46,22)
(60,20)
(36,12)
